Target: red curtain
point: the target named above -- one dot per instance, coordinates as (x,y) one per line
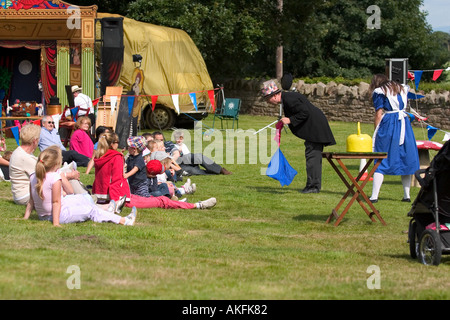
(48,69)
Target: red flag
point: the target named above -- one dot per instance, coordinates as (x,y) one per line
(37,122)
(154,99)
(95,102)
(437,74)
(211,98)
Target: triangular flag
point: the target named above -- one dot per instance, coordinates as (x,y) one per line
(417,76)
(175,102)
(113,103)
(446,136)
(211,98)
(130,104)
(36,122)
(411,116)
(15,132)
(280,169)
(193,97)
(56,118)
(431,132)
(414,96)
(437,74)
(154,99)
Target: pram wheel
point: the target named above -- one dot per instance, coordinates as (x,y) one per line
(412,240)
(430,248)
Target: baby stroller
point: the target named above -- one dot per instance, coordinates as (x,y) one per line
(429,228)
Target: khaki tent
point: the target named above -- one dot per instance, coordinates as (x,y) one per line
(171,64)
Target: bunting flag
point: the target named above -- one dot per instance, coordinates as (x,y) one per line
(176,102)
(417,76)
(414,96)
(113,103)
(446,136)
(431,132)
(193,97)
(15,132)
(211,98)
(130,104)
(280,169)
(154,99)
(437,74)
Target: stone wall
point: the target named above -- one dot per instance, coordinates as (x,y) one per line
(339,102)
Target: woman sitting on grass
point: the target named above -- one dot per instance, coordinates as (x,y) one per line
(110,180)
(53,199)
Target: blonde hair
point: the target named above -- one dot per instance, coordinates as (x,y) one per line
(104,143)
(80,122)
(151,145)
(159,143)
(48,160)
(29,132)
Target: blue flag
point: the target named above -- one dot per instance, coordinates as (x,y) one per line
(130,104)
(431,132)
(414,96)
(193,97)
(280,169)
(417,76)
(15,132)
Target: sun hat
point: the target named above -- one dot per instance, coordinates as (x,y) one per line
(75,89)
(155,167)
(137,142)
(269,89)
(145,152)
(159,155)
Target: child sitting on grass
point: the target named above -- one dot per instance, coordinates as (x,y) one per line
(51,195)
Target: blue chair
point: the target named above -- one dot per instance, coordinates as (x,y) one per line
(229,110)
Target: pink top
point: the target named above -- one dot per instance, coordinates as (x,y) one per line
(44,207)
(82,143)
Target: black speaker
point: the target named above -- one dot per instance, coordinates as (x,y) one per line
(112,32)
(397,70)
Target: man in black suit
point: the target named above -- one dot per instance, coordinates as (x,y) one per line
(306,122)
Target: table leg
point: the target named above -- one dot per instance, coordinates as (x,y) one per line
(356,194)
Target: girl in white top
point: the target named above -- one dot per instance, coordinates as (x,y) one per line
(53,199)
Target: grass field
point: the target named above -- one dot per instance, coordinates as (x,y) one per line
(261,241)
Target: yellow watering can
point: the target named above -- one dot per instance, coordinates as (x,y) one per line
(359,142)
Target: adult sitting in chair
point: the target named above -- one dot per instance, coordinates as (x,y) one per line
(49,136)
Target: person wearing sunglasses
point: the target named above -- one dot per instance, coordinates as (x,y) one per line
(49,136)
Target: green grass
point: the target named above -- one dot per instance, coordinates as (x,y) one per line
(261,241)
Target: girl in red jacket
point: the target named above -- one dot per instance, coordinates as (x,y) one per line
(110,183)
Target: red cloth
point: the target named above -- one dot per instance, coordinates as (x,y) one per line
(109,176)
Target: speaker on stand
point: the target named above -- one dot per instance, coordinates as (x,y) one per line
(112,51)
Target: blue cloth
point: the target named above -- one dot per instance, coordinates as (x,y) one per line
(280,169)
(401,159)
(50,138)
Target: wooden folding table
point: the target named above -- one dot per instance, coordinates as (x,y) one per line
(351,183)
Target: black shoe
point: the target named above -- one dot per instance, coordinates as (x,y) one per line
(374,200)
(310,190)
(406,200)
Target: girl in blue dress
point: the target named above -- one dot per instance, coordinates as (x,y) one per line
(393,134)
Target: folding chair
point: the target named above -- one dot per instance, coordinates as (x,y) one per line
(228,111)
